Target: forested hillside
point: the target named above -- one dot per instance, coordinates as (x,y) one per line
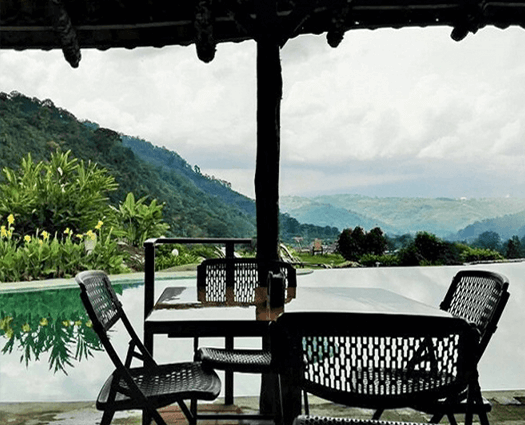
(30,125)
(171,161)
(196,205)
(506,227)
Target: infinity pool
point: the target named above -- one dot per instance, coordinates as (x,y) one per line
(502,366)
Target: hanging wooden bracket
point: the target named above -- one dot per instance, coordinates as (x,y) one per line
(470,19)
(66,32)
(203,24)
(336,33)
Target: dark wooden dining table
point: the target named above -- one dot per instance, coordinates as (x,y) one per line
(181,313)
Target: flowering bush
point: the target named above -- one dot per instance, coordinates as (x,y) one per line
(41,256)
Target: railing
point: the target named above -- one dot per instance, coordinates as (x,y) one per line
(149,265)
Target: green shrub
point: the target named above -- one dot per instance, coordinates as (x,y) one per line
(42,256)
(137,221)
(56,195)
(385,260)
(470,254)
(204,251)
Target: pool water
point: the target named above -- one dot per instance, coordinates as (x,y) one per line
(52,354)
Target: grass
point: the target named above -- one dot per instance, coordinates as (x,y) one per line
(320,260)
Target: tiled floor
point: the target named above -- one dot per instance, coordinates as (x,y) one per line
(508,409)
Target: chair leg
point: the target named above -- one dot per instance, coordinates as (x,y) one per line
(306,404)
(436,418)
(279,412)
(452,419)
(192,419)
(107,417)
(377,414)
(483,418)
(193,408)
(475,405)
(157,418)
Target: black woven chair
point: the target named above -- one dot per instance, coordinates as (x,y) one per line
(374,361)
(479,297)
(233,281)
(148,387)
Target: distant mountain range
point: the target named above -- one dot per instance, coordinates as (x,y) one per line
(455,219)
(201,205)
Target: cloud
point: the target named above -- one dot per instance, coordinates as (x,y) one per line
(408,97)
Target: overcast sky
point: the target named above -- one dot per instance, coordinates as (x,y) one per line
(388,113)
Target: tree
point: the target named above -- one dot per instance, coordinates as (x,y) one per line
(513,248)
(375,242)
(429,247)
(353,244)
(488,240)
(347,246)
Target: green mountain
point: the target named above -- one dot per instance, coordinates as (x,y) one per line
(30,125)
(196,205)
(171,161)
(442,216)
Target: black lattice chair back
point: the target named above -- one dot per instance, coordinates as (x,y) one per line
(239,275)
(478,297)
(103,307)
(147,387)
(374,360)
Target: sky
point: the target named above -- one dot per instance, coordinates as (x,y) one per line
(402,113)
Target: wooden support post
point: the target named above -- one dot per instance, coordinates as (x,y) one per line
(269,93)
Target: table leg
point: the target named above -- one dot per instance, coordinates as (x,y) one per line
(148,342)
(228,375)
(291,400)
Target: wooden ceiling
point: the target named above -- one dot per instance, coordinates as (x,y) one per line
(72,25)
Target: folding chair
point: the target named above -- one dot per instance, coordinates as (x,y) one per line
(479,297)
(375,361)
(233,281)
(148,387)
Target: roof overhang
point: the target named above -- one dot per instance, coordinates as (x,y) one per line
(72,25)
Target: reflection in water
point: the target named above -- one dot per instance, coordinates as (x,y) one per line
(501,366)
(53,322)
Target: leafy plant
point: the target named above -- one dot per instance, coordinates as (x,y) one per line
(55,195)
(137,221)
(40,256)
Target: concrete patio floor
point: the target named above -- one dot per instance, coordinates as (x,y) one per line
(508,409)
